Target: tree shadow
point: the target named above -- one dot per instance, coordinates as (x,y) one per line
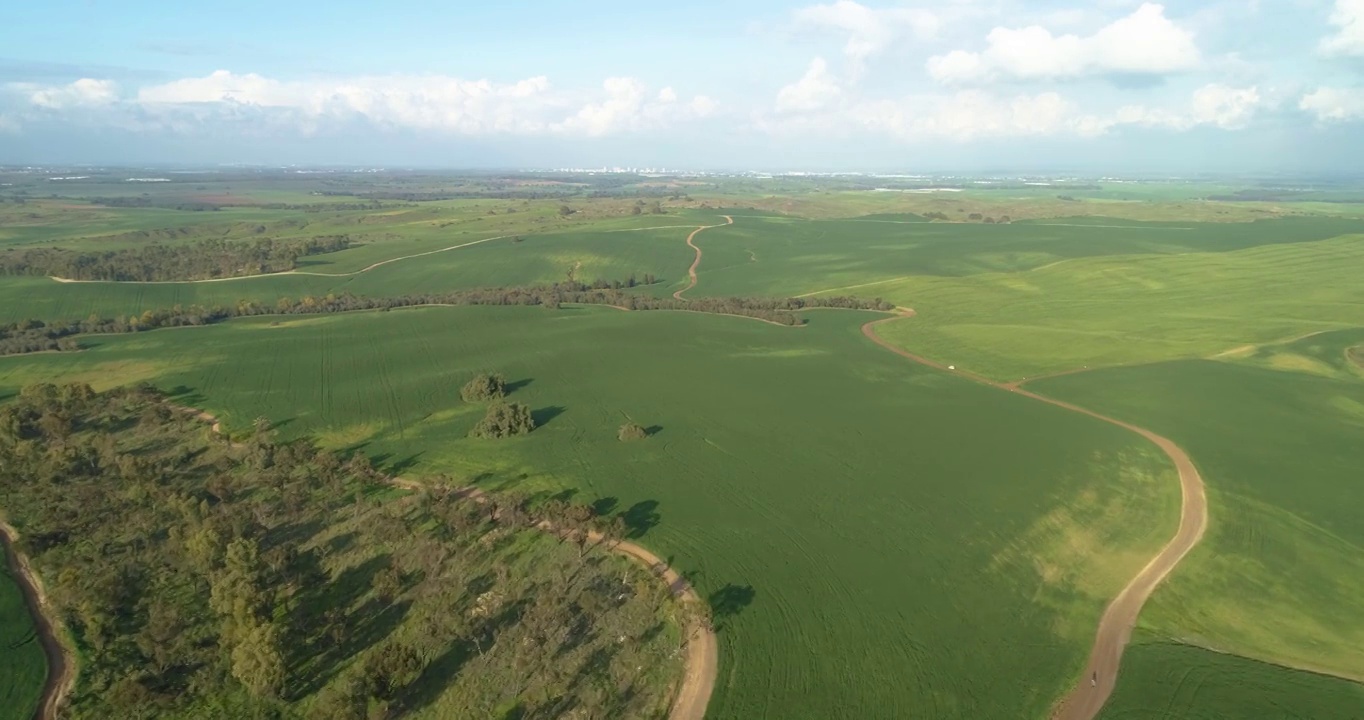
(395,468)
(729,601)
(512,387)
(601,507)
(653,430)
(640,518)
(185,395)
(546,414)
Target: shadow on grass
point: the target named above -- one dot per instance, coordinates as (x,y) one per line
(544,415)
(512,387)
(653,430)
(729,601)
(640,518)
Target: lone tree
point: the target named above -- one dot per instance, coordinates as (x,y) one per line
(632,431)
(484,387)
(505,420)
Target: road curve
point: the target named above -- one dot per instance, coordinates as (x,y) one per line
(61,666)
(691,271)
(1093,688)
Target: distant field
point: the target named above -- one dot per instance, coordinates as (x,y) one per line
(906,542)
(23,666)
(1281,571)
(1164,680)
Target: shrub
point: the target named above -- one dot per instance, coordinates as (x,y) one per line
(505,420)
(632,431)
(484,387)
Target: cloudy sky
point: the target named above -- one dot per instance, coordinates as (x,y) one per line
(1103,85)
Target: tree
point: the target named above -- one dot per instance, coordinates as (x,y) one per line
(484,386)
(505,420)
(257,662)
(565,211)
(631,431)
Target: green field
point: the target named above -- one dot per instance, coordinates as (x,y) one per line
(849,505)
(1280,572)
(1164,680)
(22,663)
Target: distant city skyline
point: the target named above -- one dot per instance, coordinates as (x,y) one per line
(1220,86)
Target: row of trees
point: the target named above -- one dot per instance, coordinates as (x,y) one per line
(37,335)
(205,259)
(202,578)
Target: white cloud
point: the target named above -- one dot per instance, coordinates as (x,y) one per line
(1334,104)
(702,106)
(868,30)
(81,93)
(667,95)
(1224,107)
(1145,42)
(1348,17)
(815,90)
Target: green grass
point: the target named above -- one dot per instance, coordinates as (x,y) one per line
(1165,681)
(23,666)
(907,542)
(1280,572)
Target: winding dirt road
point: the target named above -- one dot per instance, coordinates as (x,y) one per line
(61,666)
(1093,688)
(691,271)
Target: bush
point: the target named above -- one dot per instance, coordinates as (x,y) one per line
(631,431)
(505,420)
(484,387)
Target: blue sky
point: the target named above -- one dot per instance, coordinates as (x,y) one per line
(1104,85)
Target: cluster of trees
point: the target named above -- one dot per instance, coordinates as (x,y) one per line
(504,419)
(632,431)
(484,386)
(204,578)
(988,220)
(639,208)
(214,258)
(169,203)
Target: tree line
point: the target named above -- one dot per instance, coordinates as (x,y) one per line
(205,259)
(205,578)
(38,336)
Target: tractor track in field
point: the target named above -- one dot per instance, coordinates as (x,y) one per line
(1084,702)
(702,650)
(691,271)
(61,659)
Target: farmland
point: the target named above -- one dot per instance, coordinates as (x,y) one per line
(22,663)
(898,539)
(753,504)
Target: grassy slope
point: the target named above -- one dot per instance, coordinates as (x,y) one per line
(1281,570)
(1162,680)
(903,541)
(22,664)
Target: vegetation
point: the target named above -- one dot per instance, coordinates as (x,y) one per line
(1073,507)
(630,432)
(483,387)
(205,259)
(505,420)
(201,578)
(23,666)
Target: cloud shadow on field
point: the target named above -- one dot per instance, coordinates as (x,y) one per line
(545,414)
(729,601)
(640,518)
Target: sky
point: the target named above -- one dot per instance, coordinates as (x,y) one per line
(1217,86)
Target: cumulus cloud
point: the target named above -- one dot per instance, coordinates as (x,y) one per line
(1348,18)
(627,108)
(816,89)
(1330,104)
(869,30)
(1143,43)
(81,93)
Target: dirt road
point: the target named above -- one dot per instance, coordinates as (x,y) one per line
(691,271)
(60,662)
(1092,688)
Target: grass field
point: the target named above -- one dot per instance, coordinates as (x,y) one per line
(1161,681)
(1280,572)
(905,542)
(22,663)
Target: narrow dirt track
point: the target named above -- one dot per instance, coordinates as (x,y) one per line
(703,651)
(61,666)
(1093,688)
(691,271)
